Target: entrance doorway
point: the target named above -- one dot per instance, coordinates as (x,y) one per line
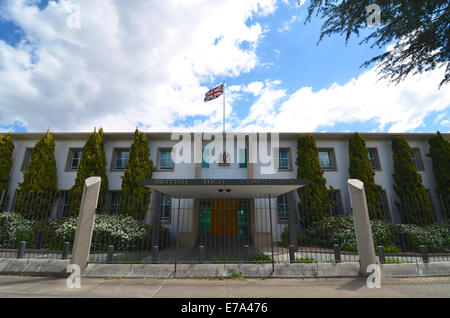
(224,218)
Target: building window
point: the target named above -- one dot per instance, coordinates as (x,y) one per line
(336,201)
(282,207)
(243,158)
(120,159)
(166,207)
(282,159)
(374,160)
(165,159)
(327,159)
(205,158)
(27,158)
(114,202)
(74,159)
(417,158)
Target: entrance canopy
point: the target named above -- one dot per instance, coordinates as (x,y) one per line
(224,188)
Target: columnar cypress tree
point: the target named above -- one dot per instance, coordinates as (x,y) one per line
(314,198)
(135,197)
(440,155)
(37,191)
(414,205)
(92,164)
(6,151)
(360,168)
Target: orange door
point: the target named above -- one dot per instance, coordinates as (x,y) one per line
(224,220)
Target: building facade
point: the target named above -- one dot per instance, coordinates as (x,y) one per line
(247,157)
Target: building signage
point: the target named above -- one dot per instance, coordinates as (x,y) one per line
(173,182)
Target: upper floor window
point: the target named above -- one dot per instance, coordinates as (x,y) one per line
(282,207)
(74,159)
(327,159)
(165,159)
(205,158)
(417,158)
(120,159)
(373,156)
(27,158)
(243,158)
(282,159)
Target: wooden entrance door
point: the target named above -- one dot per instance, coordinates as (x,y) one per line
(224,218)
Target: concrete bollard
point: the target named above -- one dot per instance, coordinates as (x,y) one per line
(65,253)
(337,253)
(247,252)
(424,253)
(201,252)
(291,254)
(361,220)
(21,250)
(381,256)
(110,254)
(155,251)
(40,233)
(85,223)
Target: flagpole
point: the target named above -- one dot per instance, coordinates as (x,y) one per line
(224,106)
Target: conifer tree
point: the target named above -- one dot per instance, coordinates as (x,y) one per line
(135,197)
(92,164)
(37,191)
(6,151)
(314,198)
(360,168)
(414,205)
(440,155)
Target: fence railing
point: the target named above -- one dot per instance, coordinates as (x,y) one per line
(214,230)
(31,229)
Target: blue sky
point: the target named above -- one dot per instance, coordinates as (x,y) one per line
(148,65)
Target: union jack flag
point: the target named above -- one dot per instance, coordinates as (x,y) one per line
(214,93)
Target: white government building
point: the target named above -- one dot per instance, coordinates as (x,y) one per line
(333,153)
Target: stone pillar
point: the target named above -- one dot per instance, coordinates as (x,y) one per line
(292,219)
(198,153)
(85,224)
(363,231)
(156,217)
(251,155)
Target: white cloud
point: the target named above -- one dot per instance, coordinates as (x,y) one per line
(395,108)
(130,62)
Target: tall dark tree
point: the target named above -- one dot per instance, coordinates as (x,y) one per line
(440,155)
(36,193)
(135,197)
(6,151)
(413,204)
(360,168)
(314,198)
(419,28)
(92,164)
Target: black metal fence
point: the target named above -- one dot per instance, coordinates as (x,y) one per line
(30,225)
(214,230)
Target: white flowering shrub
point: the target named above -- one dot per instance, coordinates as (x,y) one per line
(340,230)
(123,232)
(435,237)
(14,229)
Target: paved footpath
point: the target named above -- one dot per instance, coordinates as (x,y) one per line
(26,286)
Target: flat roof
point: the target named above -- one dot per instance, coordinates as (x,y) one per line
(167,135)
